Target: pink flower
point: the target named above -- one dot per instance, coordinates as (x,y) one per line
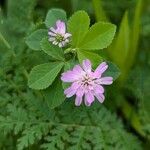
(58,35)
(86,83)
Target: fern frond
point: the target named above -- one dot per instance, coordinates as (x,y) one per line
(70,128)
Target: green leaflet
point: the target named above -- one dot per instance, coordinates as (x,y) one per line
(54,95)
(33,40)
(42,76)
(93,57)
(78,26)
(52,50)
(53,15)
(99,36)
(112,71)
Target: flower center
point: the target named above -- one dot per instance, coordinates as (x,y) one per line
(87,80)
(59,38)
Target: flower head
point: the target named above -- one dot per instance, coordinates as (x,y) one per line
(86,83)
(58,35)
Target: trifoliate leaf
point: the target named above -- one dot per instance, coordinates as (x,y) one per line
(99,36)
(54,95)
(33,40)
(78,26)
(53,15)
(52,50)
(42,76)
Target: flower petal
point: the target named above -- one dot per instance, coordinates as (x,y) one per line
(100,97)
(69,92)
(53,30)
(78,70)
(75,85)
(78,101)
(51,33)
(100,70)
(87,65)
(89,98)
(61,27)
(55,42)
(60,45)
(63,43)
(105,80)
(67,35)
(98,89)
(66,41)
(80,92)
(51,39)
(68,76)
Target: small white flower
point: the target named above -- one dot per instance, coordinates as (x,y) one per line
(58,35)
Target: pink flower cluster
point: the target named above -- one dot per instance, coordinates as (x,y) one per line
(86,83)
(58,35)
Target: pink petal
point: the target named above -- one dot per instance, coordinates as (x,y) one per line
(68,76)
(69,92)
(75,85)
(100,97)
(78,101)
(100,70)
(99,89)
(80,92)
(105,80)
(61,27)
(78,70)
(87,65)
(89,98)
(71,76)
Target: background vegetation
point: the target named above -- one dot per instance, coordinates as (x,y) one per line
(122,122)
